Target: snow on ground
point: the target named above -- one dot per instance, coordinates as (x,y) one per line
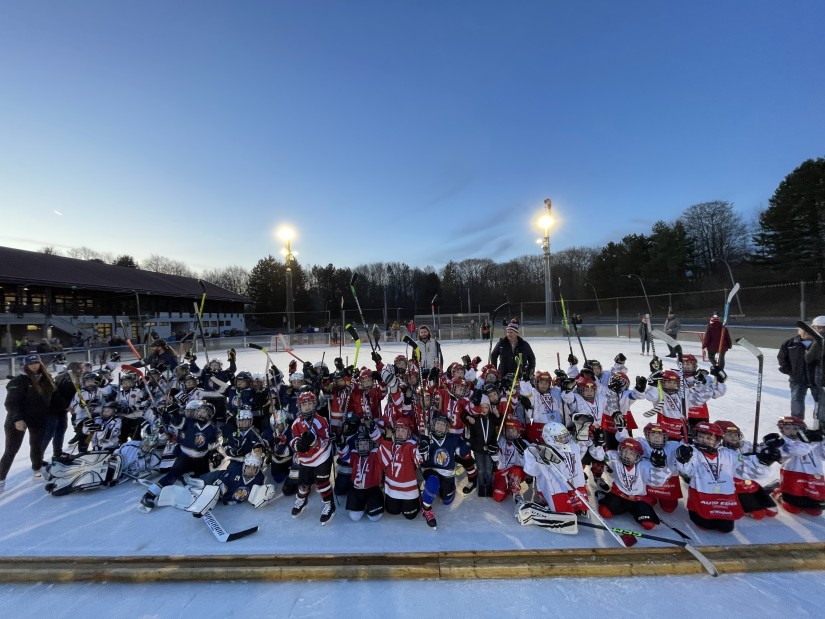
(106,522)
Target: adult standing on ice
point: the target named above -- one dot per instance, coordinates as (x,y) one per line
(30,398)
(792,359)
(505,353)
(716,339)
(644,334)
(430,350)
(672,326)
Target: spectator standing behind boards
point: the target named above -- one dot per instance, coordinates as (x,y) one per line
(713,337)
(508,348)
(672,326)
(814,359)
(792,359)
(644,334)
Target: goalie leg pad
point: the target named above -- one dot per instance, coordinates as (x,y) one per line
(88,470)
(533,513)
(204,500)
(261,495)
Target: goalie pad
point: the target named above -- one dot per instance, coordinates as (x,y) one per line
(175,496)
(261,495)
(82,472)
(541,516)
(204,500)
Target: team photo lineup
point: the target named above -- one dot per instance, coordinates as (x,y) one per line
(403,434)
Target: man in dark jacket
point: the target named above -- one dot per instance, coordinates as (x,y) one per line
(800,373)
(506,351)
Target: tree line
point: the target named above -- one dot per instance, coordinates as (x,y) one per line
(693,251)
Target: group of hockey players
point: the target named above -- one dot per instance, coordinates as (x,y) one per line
(393,438)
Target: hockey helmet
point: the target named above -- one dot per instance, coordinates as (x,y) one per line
(400,363)
(90,380)
(790,426)
(307,404)
(296,379)
(655,435)
(365,379)
(630,451)
(513,428)
(731,434)
(555,435)
(670,382)
(439,425)
(252,465)
(243,377)
(618,382)
(586,387)
(278,420)
(215,365)
(190,381)
(244,419)
(114,357)
(205,411)
(543,380)
(128,380)
(456,370)
(457,387)
(363,443)
(689,364)
(707,436)
(402,431)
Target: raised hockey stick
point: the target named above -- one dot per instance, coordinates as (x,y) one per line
(353,332)
(761,361)
(720,359)
(680,366)
(564,319)
(375,346)
(510,395)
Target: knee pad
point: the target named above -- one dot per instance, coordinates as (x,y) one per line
(356,516)
(449,498)
(411,515)
(375,517)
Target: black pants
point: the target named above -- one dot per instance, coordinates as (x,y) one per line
(14,439)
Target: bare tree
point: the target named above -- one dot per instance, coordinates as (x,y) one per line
(87,253)
(162,264)
(50,250)
(234,278)
(715,231)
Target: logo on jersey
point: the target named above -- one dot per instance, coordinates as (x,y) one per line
(241,494)
(441,457)
(200,440)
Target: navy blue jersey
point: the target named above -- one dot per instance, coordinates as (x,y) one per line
(288,398)
(237,487)
(279,449)
(443,451)
(196,439)
(237,444)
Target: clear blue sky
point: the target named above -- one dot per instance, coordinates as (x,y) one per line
(393,131)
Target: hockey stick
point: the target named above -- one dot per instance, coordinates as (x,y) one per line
(564,319)
(510,395)
(203,337)
(353,332)
(352,281)
(582,498)
(720,360)
(761,361)
(493,326)
(131,368)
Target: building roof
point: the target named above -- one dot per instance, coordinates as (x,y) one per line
(30,268)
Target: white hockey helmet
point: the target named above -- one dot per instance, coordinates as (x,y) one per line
(252,465)
(556,435)
(244,419)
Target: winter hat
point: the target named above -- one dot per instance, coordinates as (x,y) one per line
(485,400)
(513,326)
(31,359)
(714,318)
(819,321)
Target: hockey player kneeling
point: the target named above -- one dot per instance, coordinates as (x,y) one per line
(631,477)
(801,485)
(246,483)
(712,501)
(313,453)
(400,460)
(439,453)
(556,466)
(197,440)
(364,495)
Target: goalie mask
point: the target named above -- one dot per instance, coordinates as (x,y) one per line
(655,436)
(252,465)
(582,422)
(278,420)
(689,364)
(556,435)
(731,434)
(307,404)
(707,437)
(586,387)
(244,419)
(204,412)
(630,452)
(440,425)
(670,382)
(402,431)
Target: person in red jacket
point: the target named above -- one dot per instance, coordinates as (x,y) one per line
(714,335)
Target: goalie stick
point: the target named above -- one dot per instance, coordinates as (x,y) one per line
(720,360)
(761,361)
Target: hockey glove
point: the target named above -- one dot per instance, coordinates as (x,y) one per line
(231,355)
(773,440)
(571,359)
(190,357)
(619,421)
(684,453)
(641,384)
(620,358)
(375,357)
(720,374)
(655,364)
(491,449)
(92,424)
(376,377)
(655,377)
(215,459)
(308,369)
(560,374)
(474,363)
(293,366)
(568,384)
(616,384)
(466,361)
(305,442)
(433,375)
(424,449)
(701,376)
(658,458)
(768,456)
(598,437)
(525,402)
(339,364)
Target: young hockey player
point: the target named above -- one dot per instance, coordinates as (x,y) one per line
(509,461)
(365,495)
(483,439)
(586,406)
(237,482)
(400,460)
(439,452)
(712,500)
(241,438)
(365,399)
(556,465)
(105,430)
(135,401)
(754,499)
(240,395)
(215,369)
(86,404)
(706,385)
(277,438)
(668,493)
(545,404)
(801,486)
(631,477)
(311,442)
(455,405)
(197,440)
(617,415)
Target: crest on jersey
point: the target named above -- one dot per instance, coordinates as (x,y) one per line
(441,457)
(200,440)
(241,494)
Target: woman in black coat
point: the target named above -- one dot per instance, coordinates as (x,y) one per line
(31,397)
